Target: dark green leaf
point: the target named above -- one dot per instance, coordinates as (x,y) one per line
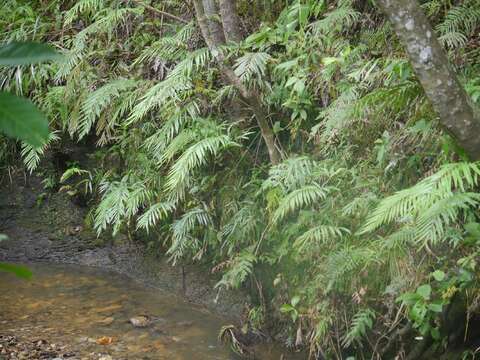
(19,118)
(25,53)
(20,271)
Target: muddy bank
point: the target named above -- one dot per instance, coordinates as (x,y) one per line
(47,226)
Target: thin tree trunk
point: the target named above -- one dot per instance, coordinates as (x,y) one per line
(230,21)
(214,25)
(250,97)
(203,23)
(438,79)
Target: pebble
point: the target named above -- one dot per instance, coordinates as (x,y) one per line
(140,321)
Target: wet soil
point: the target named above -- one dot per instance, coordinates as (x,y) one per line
(70,311)
(45,226)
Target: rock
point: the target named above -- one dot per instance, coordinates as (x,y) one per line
(140,321)
(185,323)
(109,309)
(107,321)
(105,357)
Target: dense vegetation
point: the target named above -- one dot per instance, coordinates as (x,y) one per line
(298,157)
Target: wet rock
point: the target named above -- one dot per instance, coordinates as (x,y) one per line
(107,321)
(140,321)
(184,323)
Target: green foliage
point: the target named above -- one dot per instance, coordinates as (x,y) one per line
(370,195)
(20,271)
(459,23)
(362,322)
(26,53)
(432,205)
(20,119)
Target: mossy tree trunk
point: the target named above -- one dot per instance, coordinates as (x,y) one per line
(434,72)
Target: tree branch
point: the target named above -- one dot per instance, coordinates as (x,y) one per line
(164,13)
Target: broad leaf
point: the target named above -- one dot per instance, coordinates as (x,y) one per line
(438,275)
(19,118)
(25,53)
(424,291)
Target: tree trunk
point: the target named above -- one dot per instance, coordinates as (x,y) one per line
(230,21)
(250,97)
(213,21)
(438,79)
(203,23)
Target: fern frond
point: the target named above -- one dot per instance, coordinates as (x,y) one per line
(460,22)
(182,237)
(239,269)
(99,101)
(168,89)
(362,322)
(194,157)
(154,214)
(81,7)
(339,19)
(31,155)
(319,235)
(251,66)
(298,199)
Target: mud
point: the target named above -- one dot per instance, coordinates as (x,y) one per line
(45,226)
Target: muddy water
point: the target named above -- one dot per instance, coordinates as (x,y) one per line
(77,306)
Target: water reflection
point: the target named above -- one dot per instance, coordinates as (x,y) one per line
(85,308)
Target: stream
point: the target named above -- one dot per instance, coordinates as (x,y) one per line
(84,312)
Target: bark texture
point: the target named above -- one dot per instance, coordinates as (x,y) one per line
(213,20)
(251,98)
(230,21)
(438,79)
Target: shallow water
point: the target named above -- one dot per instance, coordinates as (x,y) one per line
(77,305)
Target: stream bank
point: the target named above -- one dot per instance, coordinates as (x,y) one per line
(48,227)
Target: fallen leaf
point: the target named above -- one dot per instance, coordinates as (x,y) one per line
(104,340)
(109,308)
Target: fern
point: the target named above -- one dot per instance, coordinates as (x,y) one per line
(154,213)
(239,270)
(251,66)
(158,95)
(431,205)
(81,7)
(339,19)
(183,241)
(362,322)
(192,158)
(98,102)
(319,235)
(460,22)
(121,200)
(298,199)
(31,155)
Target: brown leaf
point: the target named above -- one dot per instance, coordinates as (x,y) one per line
(104,340)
